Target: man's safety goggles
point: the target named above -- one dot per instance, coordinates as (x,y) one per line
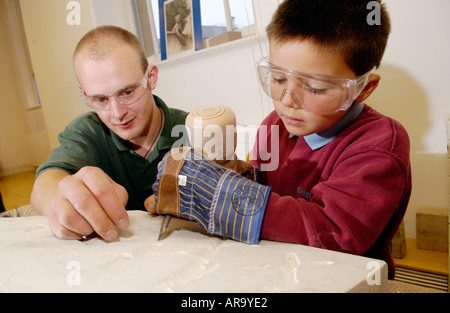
(125,96)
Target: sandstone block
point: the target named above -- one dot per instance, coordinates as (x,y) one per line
(432,229)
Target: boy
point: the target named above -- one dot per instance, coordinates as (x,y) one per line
(335,173)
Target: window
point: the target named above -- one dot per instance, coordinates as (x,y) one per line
(217,17)
(241,13)
(214,21)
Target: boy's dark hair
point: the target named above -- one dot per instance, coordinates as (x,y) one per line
(336,26)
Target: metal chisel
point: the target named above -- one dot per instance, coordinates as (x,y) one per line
(164,226)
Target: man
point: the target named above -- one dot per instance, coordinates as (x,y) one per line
(107,159)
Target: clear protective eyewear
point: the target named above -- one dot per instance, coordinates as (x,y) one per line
(125,96)
(314,93)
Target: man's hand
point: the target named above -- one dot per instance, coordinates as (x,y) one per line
(86,202)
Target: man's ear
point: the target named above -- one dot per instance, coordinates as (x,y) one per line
(152,76)
(370,87)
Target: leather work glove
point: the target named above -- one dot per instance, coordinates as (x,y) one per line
(220,200)
(239,166)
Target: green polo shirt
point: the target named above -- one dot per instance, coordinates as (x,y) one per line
(86,141)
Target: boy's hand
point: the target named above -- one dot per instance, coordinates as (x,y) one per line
(220,200)
(150,204)
(86,202)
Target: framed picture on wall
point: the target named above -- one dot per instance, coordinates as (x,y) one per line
(180,27)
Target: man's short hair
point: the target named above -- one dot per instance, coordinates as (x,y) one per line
(335,26)
(100,42)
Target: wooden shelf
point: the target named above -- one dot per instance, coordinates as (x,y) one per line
(423,260)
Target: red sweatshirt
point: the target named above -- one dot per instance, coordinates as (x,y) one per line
(348,193)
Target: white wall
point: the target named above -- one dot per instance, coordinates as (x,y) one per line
(225,77)
(413,88)
(222,75)
(14,152)
(51,42)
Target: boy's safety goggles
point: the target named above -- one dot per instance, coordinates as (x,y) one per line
(314,93)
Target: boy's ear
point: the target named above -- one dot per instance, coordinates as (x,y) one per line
(370,87)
